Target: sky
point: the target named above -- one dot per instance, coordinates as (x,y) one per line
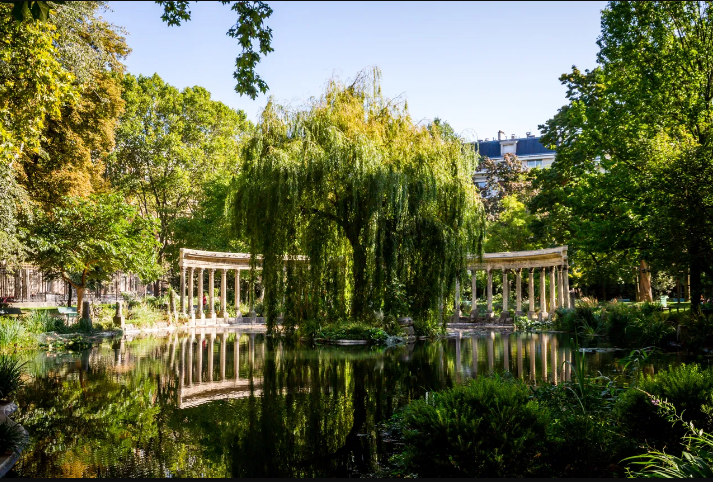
(481,66)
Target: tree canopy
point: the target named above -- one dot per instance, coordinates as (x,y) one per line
(248,28)
(84,239)
(373,200)
(169,144)
(635,144)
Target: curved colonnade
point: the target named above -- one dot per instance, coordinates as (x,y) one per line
(551,262)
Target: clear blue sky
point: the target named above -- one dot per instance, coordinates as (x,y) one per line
(481,66)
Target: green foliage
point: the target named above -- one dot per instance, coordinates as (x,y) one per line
(352,183)
(248,28)
(523,323)
(11,331)
(687,387)
(351,331)
(696,460)
(489,427)
(11,369)
(11,437)
(93,237)
(620,198)
(625,325)
(510,230)
(175,152)
(41,321)
(698,330)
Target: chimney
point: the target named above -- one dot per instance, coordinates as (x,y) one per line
(512,136)
(528,134)
(501,135)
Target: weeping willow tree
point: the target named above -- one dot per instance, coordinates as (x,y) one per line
(384,210)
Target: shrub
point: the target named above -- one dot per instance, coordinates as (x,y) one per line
(40,321)
(698,331)
(687,387)
(11,437)
(487,428)
(351,331)
(11,331)
(696,461)
(10,376)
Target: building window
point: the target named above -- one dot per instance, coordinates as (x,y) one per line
(534,163)
(481,184)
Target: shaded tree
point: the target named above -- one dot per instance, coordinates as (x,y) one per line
(368,196)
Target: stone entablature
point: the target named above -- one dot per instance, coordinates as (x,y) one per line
(539,258)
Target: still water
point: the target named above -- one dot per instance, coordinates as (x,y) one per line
(235,403)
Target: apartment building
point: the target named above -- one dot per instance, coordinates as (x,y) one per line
(528,149)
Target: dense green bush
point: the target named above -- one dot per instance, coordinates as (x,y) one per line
(625,325)
(687,387)
(10,376)
(351,331)
(487,428)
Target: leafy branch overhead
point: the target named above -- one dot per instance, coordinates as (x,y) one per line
(248,29)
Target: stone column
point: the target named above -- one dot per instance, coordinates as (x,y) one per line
(201,314)
(489,313)
(543,296)
(474,302)
(191,311)
(531,294)
(224,293)
(506,294)
(211,347)
(223,341)
(565,279)
(183,291)
(456,303)
(560,294)
(238,314)
(211,291)
(518,291)
(553,290)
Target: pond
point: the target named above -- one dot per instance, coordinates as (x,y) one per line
(236,403)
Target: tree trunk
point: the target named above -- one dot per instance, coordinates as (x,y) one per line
(69,297)
(80,299)
(157,288)
(645,282)
(695,284)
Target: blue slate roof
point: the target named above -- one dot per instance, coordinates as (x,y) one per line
(526,146)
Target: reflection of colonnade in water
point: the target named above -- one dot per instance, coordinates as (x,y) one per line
(199,381)
(519,354)
(194,370)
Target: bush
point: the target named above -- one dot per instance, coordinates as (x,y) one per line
(11,437)
(10,376)
(487,428)
(687,387)
(40,321)
(351,331)
(698,331)
(11,331)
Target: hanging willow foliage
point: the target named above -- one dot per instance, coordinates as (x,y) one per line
(385,210)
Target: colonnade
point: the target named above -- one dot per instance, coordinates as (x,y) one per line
(551,262)
(187,289)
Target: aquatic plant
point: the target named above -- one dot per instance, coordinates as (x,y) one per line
(40,321)
(696,460)
(11,437)
(490,427)
(11,370)
(688,387)
(11,331)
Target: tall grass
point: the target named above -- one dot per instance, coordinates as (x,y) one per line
(10,376)
(11,331)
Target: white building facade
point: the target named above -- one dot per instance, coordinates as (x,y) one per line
(529,150)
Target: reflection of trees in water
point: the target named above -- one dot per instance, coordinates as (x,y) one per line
(113,412)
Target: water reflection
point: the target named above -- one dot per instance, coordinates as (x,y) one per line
(232,403)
